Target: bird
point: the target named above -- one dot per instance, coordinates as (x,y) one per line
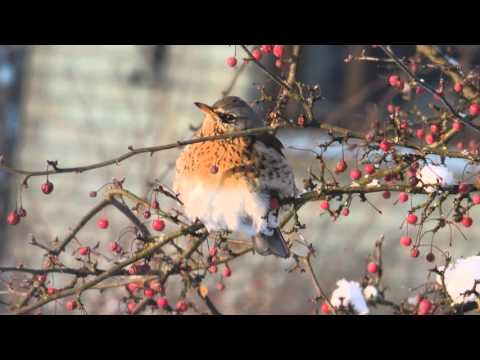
(236,184)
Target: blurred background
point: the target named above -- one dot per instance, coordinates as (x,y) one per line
(83,104)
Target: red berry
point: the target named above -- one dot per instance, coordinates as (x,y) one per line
(412,219)
(414,253)
(463,188)
(391,108)
(133,269)
(155,205)
(213,269)
(93,194)
(476,199)
(213,251)
(182,306)
(158,225)
(257,54)
(429,139)
(345,212)
(474,109)
(301,121)
(386,195)
(147,214)
(266,48)
(41,278)
(385,145)
(279,51)
(372,267)
(434,128)
(325,205)
(274,203)
(220,286)
(355,174)
(467,221)
(84,251)
(162,303)
(457,125)
(47,188)
(155,285)
(278,63)
(369,169)
(341,166)
(458,88)
(403,197)
(430,257)
(13,218)
(149,293)
(51,291)
(103,223)
(394,80)
(420,90)
(232,61)
(227,272)
(406,241)
(420,133)
(114,247)
(71,305)
(131,306)
(132,288)
(326,309)
(424,307)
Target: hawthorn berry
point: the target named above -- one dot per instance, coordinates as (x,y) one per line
(403,197)
(424,307)
(355,174)
(435,129)
(132,288)
(155,205)
(213,251)
(326,309)
(430,257)
(341,166)
(386,195)
(274,203)
(458,88)
(412,219)
(406,241)
(369,169)
(325,205)
(463,188)
(385,145)
(84,251)
(420,133)
(266,49)
(220,286)
(476,199)
(345,212)
(429,139)
(47,188)
(232,61)
(394,80)
(147,215)
(227,272)
(474,109)
(181,306)
(279,51)
(213,269)
(149,293)
(51,291)
(71,305)
(467,221)
(131,306)
(103,223)
(257,54)
(457,125)
(372,267)
(162,303)
(22,212)
(158,225)
(415,253)
(155,285)
(13,218)
(114,247)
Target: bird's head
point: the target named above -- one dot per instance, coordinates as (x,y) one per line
(232,114)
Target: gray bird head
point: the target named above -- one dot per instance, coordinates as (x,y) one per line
(233,113)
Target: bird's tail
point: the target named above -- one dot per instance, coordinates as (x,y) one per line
(271,245)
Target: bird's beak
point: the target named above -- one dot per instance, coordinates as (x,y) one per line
(206,109)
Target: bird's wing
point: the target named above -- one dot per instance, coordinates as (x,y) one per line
(270,141)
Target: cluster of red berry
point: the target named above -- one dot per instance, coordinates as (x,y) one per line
(278,52)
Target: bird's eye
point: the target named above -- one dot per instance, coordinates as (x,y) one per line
(228,118)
